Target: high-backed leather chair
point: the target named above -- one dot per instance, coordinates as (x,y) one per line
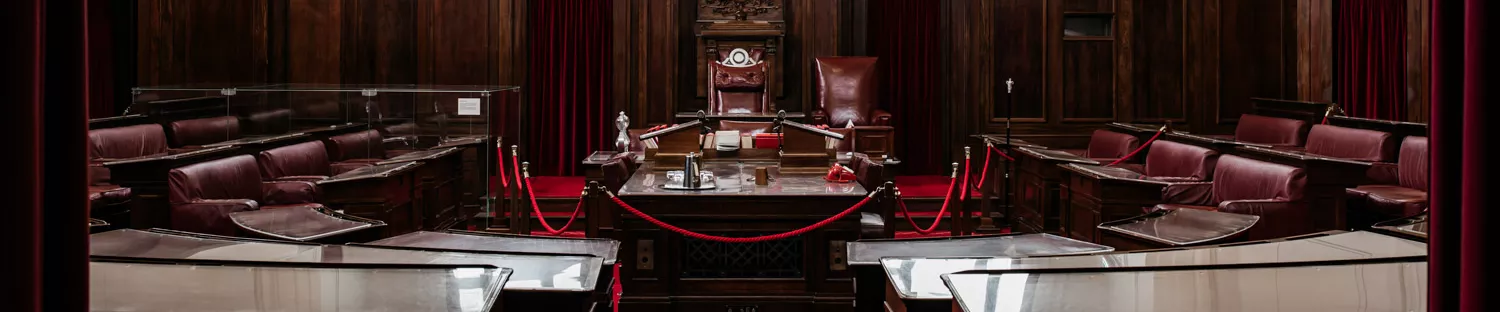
(618,169)
(1276,132)
(306,161)
(1107,146)
(1350,143)
(202,131)
(737,85)
(1407,195)
(1245,186)
(203,195)
(847,94)
(107,199)
(360,148)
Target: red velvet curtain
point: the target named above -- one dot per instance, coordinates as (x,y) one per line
(44,229)
(1370,51)
(1464,72)
(568,83)
(904,34)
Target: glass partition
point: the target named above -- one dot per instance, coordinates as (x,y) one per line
(452,130)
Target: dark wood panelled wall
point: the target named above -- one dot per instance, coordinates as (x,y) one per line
(1191,62)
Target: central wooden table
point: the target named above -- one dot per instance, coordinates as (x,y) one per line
(664,271)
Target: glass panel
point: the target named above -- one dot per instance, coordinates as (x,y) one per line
(1363,287)
(1088,25)
(868,252)
(167,287)
(918,278)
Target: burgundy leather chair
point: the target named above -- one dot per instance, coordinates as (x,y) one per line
(847,94)
(1276,132)
(202,131)
(105,198)
(359,149)
(204,194)
(738,89)
(273,121)
(1107,146)
(1351,143)
(1245,186)
(306,161)
(1407,195)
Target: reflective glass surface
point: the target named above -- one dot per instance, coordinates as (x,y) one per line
(869,252)
(1395,287)
(736,179)
(918,278)
(532,272)
(167,287)
(603,248)
(1183,226)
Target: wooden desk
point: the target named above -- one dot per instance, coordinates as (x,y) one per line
(1098,194)
(999,184)
(666,271)
(380,192)
(1037,199)
(438,190)
(1397,129)
(481,242)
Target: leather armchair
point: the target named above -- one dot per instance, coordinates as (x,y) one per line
(1351,143)
(203,195)
(359,149)
(307,161)
(105,198)
(738,89)
(202,131)
(1186,168)
(1107,146)
(847,94)
(1245,186)
(1276,132)
(1406,195)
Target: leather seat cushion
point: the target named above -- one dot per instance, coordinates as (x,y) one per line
(925,186)
(364,144)
(1391,200)
(557,186)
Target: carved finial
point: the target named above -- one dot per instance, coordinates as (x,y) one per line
(741,9)
(526,169)
(955,171)
(1009,85)
(966,152)
(514,150)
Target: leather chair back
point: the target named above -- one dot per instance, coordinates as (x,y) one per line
(368,144)
(1110,144)
(302,159)
(617,170)
(1177,160)
(1412,167)
(203,131)
(737,90)
(274,121)
(235,177)
(1351,143)
(1270,130)
(1239,178)
(746,127)
(847,89)
(127,142)
(867,172)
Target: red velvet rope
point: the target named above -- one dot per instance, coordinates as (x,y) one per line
(1325,119)
(985,171)
(723,239)
(616,290)
(1138,149)
(500,154)
(936,221)
(1002,153)
(965,194)
(535,209)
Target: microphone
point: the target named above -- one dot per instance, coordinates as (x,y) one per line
(703,122)
(776,124)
